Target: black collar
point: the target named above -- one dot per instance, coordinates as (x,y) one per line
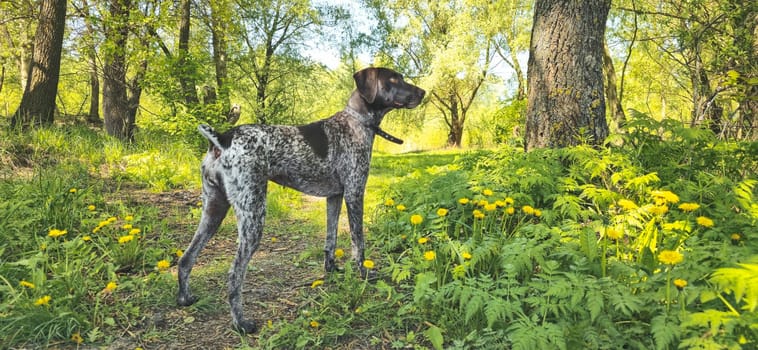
(368,121)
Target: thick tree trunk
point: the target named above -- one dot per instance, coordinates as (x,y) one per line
(38,101)
(613,101)
(93,116)
(218,41)
(185,68)
(565,74)
(119,121)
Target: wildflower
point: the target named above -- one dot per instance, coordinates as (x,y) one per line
(659,209)
(704,221)
(134,231)
(274,239)
(44,301)
(429,255)
(56,233)
(736,237)
(670,257)
(129,218)
(527,209)
(179,253)
(400,207)
(478,214)
(463,201)
(339,253)
(127,226)
(389,202)
(86,238)
(613,233)
(510,210)
(416,219)
(423,240)
(314,324)
(163,264)
(466,255)
(91,207)
(26,284)
(663,197)
(72,190)
(110,287)
(689,207)
(111,219)
(77,338)
(369,264)
(125,239)
(626,204)
(487,192)
(481,203)
(490,207)
(441,212)
(500,204)
(509,200)
(317,283)
(537,212)
(680,283)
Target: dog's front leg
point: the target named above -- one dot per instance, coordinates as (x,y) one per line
(333,207)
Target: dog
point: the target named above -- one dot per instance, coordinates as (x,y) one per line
(327,158)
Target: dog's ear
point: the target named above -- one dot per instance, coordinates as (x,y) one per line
(366,81)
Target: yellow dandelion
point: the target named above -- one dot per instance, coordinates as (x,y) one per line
(680,283)
(274,239)
(72,190)
(478,214)
(704,221)
(670,257)
(466,255)
(56,233)
(527,209)
(317,283)
(487,192)
(614,233)
(129,218)
(482,203)
(490,207)
(510,210)
(135,231)
(339,253)
(626,204)
(416,219)
(464,201)
(77,338)
(389,202)
(735,236)
(86,238)
(127,226)
(400,207)
(91,207)
(111,219)
(659,209)
(179,253)
(429,255)
(537,212)
(441,212)
(163,264)
(423,240)
(125,239)
(509,200)
(315,324)
(111,286)
(369,264)
(500,204)
(689,207)
(26,284)
(663,197)
(43,301)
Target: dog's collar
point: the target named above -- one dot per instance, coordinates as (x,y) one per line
(368,120)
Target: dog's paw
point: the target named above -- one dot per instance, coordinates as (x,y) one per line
(245,327)
(186,300)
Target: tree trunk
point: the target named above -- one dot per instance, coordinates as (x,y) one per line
(218,41)
(38,101)
(565,74)
(613,100)
(119,122)
(185,67)
(93,116)
(705,109)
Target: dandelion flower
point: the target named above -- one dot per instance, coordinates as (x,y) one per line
(735,237)
(509,200)
(86,238)
(441,212)
(111,286)
(43,301)
(527,209)
(416,219)
(429,255)
(464,201)
(127,226)
(389,202)
(163,264)
(315,324)
(125,239)
(317,283)
(77,338)
(664,197)
(478,214)
(274,239)
(56,233)
(510,210)
(466,255)
(179,253)
(423,240)
(91,207)
(26,284)
(487,192)
(704,221)
(500,204)
(339,253)
(626,204)
(369,264)
(613,233)
(659,209)
(490,207)
(400,207)
(537,212)
(680,283)
(670,257)
(689,207)
(129,218)
(72,190)
(111,219)
(134,231)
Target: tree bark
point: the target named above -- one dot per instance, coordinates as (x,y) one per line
(93,116)
(185,67)
(613,100)
(38,101)
(218,41)
(119,122)
(565,74)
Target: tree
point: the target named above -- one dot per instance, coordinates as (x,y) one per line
(565,74)
(38,101)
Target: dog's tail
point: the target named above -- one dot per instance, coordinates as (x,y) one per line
(212,135)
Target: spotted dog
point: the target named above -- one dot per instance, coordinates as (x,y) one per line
(328,158)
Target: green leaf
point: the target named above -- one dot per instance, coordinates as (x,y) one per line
(434,334)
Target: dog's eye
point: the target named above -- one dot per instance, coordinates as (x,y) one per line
(394,80)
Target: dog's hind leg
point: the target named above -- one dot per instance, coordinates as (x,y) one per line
(333,207)
(215,207)
(250,207)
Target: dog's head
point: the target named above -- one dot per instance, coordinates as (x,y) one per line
(383,88)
